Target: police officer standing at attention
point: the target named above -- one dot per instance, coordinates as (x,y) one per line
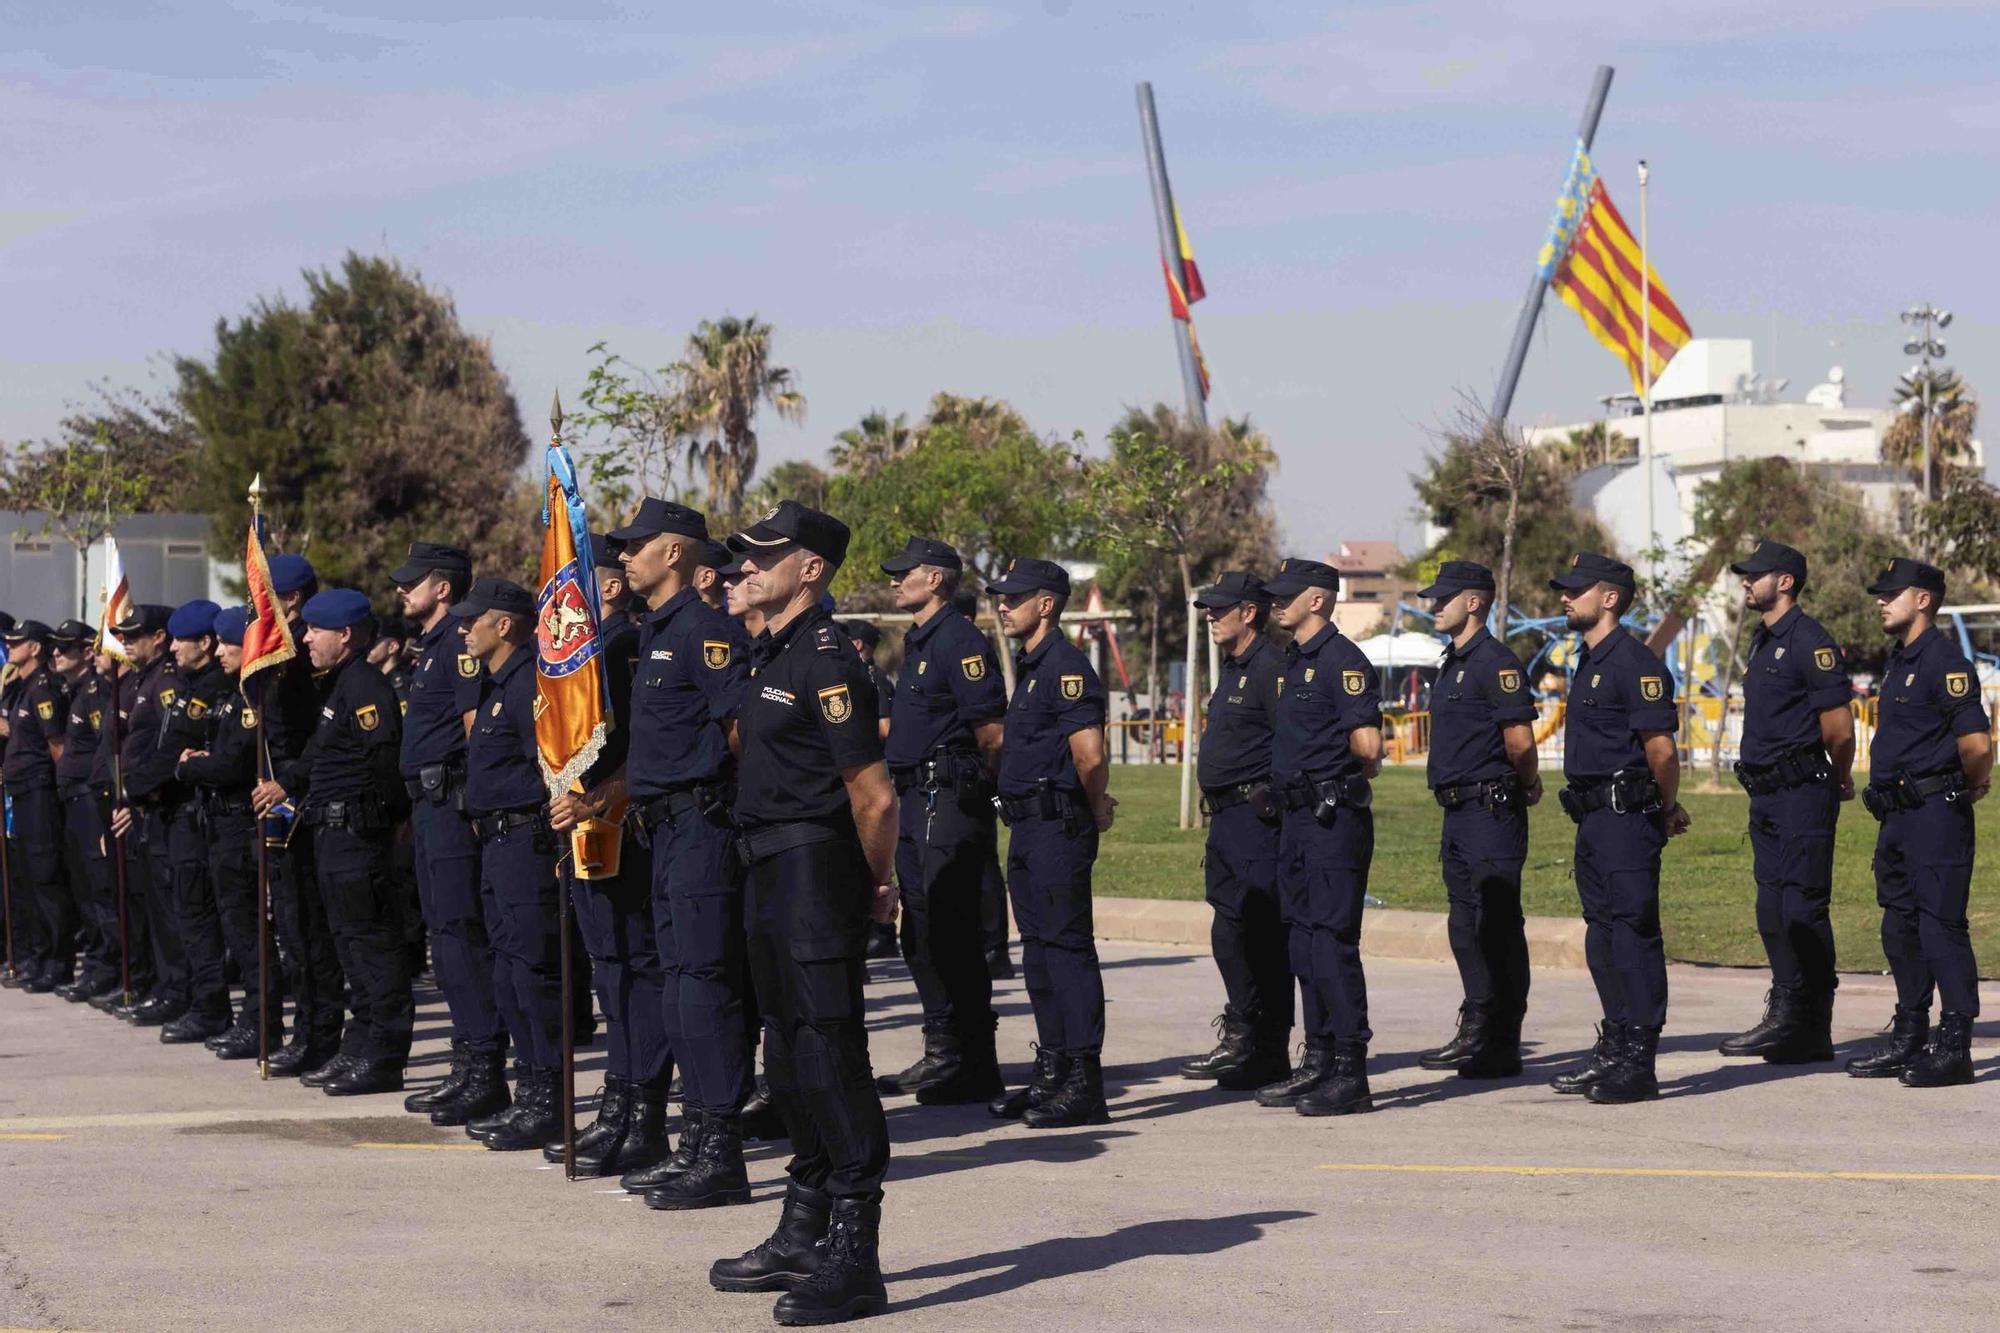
(1483,773)
(818,818)
(145,637)
(1326,745)
(943,750)
(443,694)
(1797,764)
(1623,771)
(147,657)
(45,952)
(84,821)
(1930,761)
(352,798)
(866,636)
(1053,779)
(1248,935)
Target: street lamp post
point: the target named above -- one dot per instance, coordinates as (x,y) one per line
(1925,321)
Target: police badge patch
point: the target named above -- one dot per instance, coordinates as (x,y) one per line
(1354,682)
(249,718)
(714,654)
(166,698)
(973,667)
(368,716)
(835,705)
(1072,687)
(197,709)
(1510,681)
(1651,688)
(45,710)
(1957,684)
(96,719)
(1823,658)
(468,665)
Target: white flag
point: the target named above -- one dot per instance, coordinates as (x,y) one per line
(114,602)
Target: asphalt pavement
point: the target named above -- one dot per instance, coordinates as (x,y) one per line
(152,1187)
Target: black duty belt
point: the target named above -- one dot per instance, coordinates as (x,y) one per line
(1494,794)
(1909,792)
(946,770)
(1259,794)
(1046,801)
(225,803)
(1328,794)
(488,827)
(360,815)
(1621,793)
(765,841)
(1806,766)
(677,803)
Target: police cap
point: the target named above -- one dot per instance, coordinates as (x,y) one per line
(145,618)
(337,608)
(191,620)
(923,551)
(1031,576)
(867,631)
(1232,589)
(793,524)
(714,554)
(491,594)
(1587,569)
(289,573)
(230,622)
(1906,573)
(1457,576)
(73,631)
(656,516)
(427,558)
(1295,576)
(1772,558)
(24,631)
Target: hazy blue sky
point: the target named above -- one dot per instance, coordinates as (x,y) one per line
(922,197)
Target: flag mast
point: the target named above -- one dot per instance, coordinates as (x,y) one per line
(1646,368)
(1170,250)
(1538,284)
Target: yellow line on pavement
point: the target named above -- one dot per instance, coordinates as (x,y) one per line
(1671,1172)
(29,1138)
(427,1147)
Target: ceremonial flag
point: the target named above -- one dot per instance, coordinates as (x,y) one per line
(572,704)
(1594,264)
(1195,291)
(114,602)
(267,639)
(1179,298)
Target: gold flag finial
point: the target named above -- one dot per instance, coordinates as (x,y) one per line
(257,493)
(555,415)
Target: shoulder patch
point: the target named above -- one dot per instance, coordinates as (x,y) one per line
(468,665)
(45,710)
(197,708)
(714,654)
(1652,688)
(1510,680)
(1072,687)
(96,719)
(1957,684)
(249,717)
(835,704)
(166,698)
(403,707)
(974,667)
(1823,658)
(1354,682)
(368,716)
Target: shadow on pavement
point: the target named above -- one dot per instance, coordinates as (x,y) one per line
(1026,1145)
(1067,1256)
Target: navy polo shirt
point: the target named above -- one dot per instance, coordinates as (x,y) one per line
(1326,690)
(1620,690)
(39,713)
(1795,673)
(950,684)
(1929,698)
(1056,695)
(503,768)
(444,687)
(1480,690)
(694,664)
(1242,713)
(809,713)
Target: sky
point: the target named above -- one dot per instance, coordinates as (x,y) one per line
(922,197)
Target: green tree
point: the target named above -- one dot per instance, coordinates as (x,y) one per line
(1961,527)
(724,376)
(875,440)
(632,430)
(793,479)
(375,420)
(1954,417)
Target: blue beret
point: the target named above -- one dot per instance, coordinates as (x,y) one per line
(336,608)
(191,620)
(230,622)
(289,573)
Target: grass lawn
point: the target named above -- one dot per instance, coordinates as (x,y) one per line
(1706,895)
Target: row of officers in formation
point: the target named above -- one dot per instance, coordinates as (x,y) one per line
(781,795)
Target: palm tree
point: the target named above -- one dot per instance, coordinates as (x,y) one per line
(876,440)
(1591,446)
(1955,412)
(982,420)
(724,377)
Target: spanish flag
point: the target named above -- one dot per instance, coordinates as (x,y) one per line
(572,704)
(115,603)
(1592,260)
(1180,298)
(1195,291)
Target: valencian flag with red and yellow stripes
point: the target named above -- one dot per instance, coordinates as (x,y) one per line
(267,639)
(1592,260)
(572,704)
(1179,298)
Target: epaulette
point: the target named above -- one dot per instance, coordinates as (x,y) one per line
(827,639)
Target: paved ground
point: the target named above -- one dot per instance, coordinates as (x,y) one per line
(144,1186)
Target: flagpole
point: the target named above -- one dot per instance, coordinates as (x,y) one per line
(1646,371)
(562,899)
(257,833)
(118,839)
(1538,286)
(1170,250)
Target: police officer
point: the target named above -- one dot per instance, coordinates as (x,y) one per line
(818,818)
(1797,763)
(708,583)
(222,773)
(1623,771)
(145,657)
(943,751)
(1325,746)
(1930,761)
(443,696)
(84,822)
(187,726)
(993,923)
(1247,936)
(1483,772)
(351,796)
(44,914)
(866,636)
(139,821)
(1052,780)
(508,801)
(693,667)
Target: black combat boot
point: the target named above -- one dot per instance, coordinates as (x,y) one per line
(1344,1090)
(612,1106)
(1314,1063)
(791,1254)
(191,1027)
(1912,1027)
(157,1012)
(715,1178)
(1770,1030)
(1807,1037)
(242,1042)
(1498,1054)
(1269,1060)
(1079,1101)
(975,1077)
(1610,1036)
(1472,1025)
(367,1077)
(1947,1060)
(478,1127)
(648,1178)
(1234,1037)
(533,1118)
(848,1282)
(300,1056)
(1000,964)
(1050,1067)
(484,1094)
(941,1055)
(761,1121)
(446,1088)
(642,1142)
(331,1070)
(1632,1078)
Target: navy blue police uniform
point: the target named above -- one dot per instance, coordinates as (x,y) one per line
(187,725)
(1481,690)
(443,689)
(1247,935)
(950,686)
(107,782)
(1925,846)
(43,907)
(1620,693)
(1326,692)
(84,817)
(146,774)
(1795,673)
(352,798)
